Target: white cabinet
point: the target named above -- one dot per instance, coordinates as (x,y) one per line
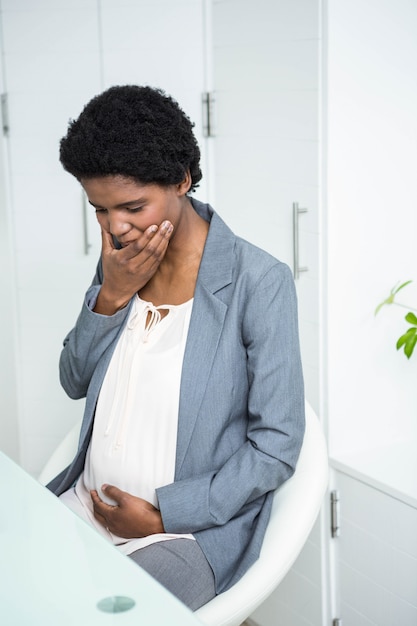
(56,56)
(376,554)
(266,80)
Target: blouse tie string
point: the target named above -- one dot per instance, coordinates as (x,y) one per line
(141,324)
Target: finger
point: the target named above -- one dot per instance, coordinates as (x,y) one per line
(160,240)
(95,497)
(163,233)
(138,245)
(101,519)
(152,246)
(154,251)
(100,507)
(107,243)
(114,493)
(163,229)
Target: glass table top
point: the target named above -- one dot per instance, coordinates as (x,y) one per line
(55,569)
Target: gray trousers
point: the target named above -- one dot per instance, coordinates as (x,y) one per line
(181,567)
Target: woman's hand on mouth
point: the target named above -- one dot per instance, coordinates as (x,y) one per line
(128,269)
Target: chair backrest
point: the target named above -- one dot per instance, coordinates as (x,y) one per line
(295,509)
(62,455)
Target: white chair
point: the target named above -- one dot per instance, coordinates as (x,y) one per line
(295,508)
(61,456)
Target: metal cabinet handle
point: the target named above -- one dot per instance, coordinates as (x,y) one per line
(296,211)
(86,241)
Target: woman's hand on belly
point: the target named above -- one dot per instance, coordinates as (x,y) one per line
(130,517)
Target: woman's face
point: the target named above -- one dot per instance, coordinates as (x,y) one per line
(126,208)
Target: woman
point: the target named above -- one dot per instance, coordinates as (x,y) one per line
(186,349)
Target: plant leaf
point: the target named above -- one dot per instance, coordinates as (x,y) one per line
(401,341)
(395,290)
(410,345)
(411,318)
(408,340)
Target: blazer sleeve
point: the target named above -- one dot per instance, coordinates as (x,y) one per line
(275,416)
(86,343)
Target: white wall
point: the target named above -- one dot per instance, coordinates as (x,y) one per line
(372,218)
(9,435)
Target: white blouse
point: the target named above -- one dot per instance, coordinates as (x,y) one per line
(133,445)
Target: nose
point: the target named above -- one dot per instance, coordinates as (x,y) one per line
(118,225)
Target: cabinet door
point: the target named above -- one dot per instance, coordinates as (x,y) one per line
(57,56)
(266,157)
(266,154)
(161,43)
(376,556)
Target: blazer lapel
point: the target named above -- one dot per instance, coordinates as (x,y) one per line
(206,326)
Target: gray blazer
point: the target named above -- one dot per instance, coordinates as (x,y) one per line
(241,413)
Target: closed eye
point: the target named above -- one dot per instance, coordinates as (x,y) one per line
(128,209)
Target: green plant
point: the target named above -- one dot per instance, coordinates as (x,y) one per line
(408,340)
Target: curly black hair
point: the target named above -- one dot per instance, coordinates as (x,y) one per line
(132,131)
